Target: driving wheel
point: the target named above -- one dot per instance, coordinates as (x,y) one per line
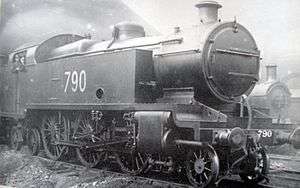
(89,133)
(133,163)
(55,128)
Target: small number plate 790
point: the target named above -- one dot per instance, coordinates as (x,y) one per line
(265,133)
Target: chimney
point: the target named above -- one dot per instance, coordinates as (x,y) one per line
(271,72)
(208,11)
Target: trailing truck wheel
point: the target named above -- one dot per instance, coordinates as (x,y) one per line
(34,141)
(55,128)
(202,166)
(15,139)
(256,167)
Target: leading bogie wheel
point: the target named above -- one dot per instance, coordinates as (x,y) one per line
(202,166)
(55,128)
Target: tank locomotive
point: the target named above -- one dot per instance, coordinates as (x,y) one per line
(272,98)
(171,103)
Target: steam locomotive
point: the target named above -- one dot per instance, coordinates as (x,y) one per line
(175,103)
(272,98)
(272,95)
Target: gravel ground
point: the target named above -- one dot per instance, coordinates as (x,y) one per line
(18,169)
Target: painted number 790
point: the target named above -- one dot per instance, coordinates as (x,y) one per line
(76,81)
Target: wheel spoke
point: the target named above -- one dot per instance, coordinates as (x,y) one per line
(205,176)
(137,163)
(82,127)
(200,154)
(194,173)
(195,155)
(207,169)
(57,150)
(48,123)
(139,154)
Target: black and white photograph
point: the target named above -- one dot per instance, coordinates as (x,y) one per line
(149,93)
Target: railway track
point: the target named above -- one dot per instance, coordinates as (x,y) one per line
(278,178)
(153,180)
(285,171)
(105,177)
(285,158)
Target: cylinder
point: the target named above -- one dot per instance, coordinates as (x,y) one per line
(152,126)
